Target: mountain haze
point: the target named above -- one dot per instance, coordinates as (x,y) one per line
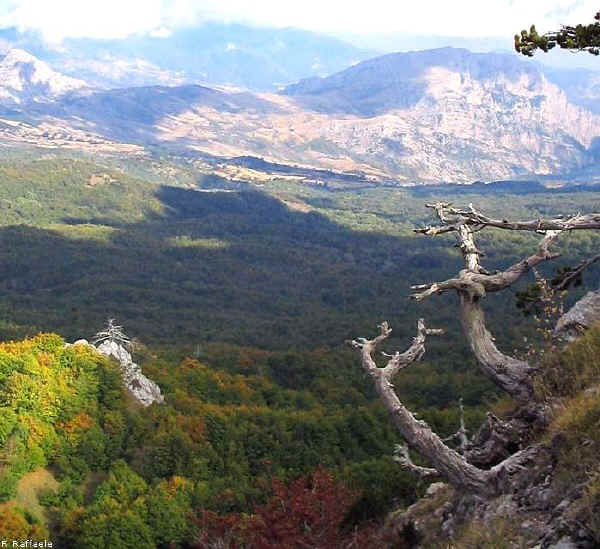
(24,78)
(450,105)
(216,53)
(581,86)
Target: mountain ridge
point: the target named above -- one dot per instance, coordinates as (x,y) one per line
(445,115)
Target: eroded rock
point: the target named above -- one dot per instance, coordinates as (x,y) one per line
(143,389)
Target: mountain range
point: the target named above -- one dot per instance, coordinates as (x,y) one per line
(214,53)
(444,115)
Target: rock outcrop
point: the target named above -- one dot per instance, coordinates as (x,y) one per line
(143,389)
(540,514)
(578,318)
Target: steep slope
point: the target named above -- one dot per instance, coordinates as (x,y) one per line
(450,114)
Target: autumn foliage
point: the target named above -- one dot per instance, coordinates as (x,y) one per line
(14,525)
(307,512)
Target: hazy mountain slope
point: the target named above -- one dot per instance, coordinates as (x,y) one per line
(441,115)
(24,78)
(218,53)
(455,112)
(132,114)
(400,80)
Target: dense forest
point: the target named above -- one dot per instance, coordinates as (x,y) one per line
(239,299)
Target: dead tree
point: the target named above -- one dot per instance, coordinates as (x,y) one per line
(112,333)
(484,465)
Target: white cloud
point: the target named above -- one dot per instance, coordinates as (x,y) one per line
(467,18)
(162,32)
(103,19)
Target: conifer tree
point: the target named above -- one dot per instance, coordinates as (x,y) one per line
(577,38)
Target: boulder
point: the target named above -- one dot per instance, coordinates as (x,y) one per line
(578,318)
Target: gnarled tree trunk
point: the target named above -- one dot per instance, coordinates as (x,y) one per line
(512,375)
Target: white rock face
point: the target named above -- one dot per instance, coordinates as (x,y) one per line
(143,389)
(25,78)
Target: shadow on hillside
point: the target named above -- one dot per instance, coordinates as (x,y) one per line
(133,112)
(238,267)
(226,266)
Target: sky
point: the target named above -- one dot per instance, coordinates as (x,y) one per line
(57,19)
(378,25)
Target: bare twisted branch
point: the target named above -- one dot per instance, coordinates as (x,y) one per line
(397,361)
(477,284)
(401,455)
(452,218)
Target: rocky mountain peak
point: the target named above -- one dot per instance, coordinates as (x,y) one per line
(402,80)
(452,115)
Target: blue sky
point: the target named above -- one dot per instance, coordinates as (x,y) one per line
(57,19)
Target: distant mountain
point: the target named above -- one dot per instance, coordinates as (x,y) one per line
(437,116)
(449,114)
(24,78)
(402,80)
(137,114)
(216,53)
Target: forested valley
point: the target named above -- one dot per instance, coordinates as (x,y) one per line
(240,299)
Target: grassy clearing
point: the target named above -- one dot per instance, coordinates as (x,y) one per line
(28,490)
